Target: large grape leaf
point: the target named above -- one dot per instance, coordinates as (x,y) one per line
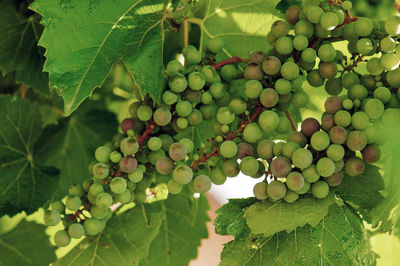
(268,217)
(19,51)
(15,250)
(180,234)
(24,184)
(125,240)
(339,239)
(230,220)
(84,39)
(242,24)
(70,145)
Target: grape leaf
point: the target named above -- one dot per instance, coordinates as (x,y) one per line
(242,24)
(230,220)
(70,145)
(339,239)
(180,234)
(125,240)
(16,250)
(24,184)
(19,51)
(268,217)
(84,39)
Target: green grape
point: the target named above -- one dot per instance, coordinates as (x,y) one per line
(325,167)
(252,89)
(260,190)
(206,98)
(128,164)
(360,120)
(371,133)
(115,156)
(210,74)
(309,55)
(249,166)
(292,14)
(314,14)
(328,70)
(238,105)
(230,168)
(392,25)
(371,153)
(310,174)
(284,45)
(356,140)
(162,116)
(333,86)
(188,144)
(182,123)
(280,166)
(75,190)
(291,196)
(271,65)
(144,112)
(183,108)
(304,27)
(104,200)
(290,70)
(173,68)
(125,197)
(335,179)
(224,101)
(253,71)
(209,111)
(300,99)
(342,118)
(136,175)
(95,189)
(195,118)
(202,183)
(177,152)
(57,206)
(349,80)
(178,83)
(92,226)
(338,135)
(347,5)
(388,44)
(329,21)
(154,143)
(215,45)
(276,190)
(279,28)
(102,154)
(354,166)
(383,94)
(300,42)
(224,128)
(118,185)
(374,66)
(265,149)
(314,78)
(228,149)
(327,53)
(335,152)
(363,27)
(320,140)
(283,86)
(228,72)
(217,176)
(182,174)
(99,213)
(269,97)
(288,149)
(284,125)
(268,120)
(277,149)
(193,57)
(73,203)
(347,104)
(225,116)
(196,81)
(393,78)
(76,230)
(390,61)
(320,189)
(320,32)
(61,238)
(297,137)
(364,46)
(129,146)
(140,197)
(51,217)
(100,171)
(257,57)
(173,187)
(295,181)
(302,158)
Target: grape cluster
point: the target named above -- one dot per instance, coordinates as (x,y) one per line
(248,101)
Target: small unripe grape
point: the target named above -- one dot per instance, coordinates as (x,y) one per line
(173,187)
(177,152)
(371,153)
(92,226)
(347,5)
(76,230)
(284,45)
(320,140)
(374,66)
(291,196)
(347,104)
(182,174)
(136,176)
(228,149)
(51,217)
(228,72)
(196,81)
(327,53)
(342,118)
(392,25)
(174,67)
(280,166)
(253,71)
(162,116)
(364,46)
(183,108)
(268,120)
(276,190)
(206,97)
(99,213)
(154,143)
(300,99)
(320,189)
(302,158)
(244,150)
(300,42)
(328,70)
(309,126)
(193,57)
(229,168)
(202,183)
(283,86)
(360,120)
(288,149)
(298,137)
(260,190)
(182,123)
(129,146)
(188,144)
(238,105)
(333,105)
(126,124)
(265,149)
(128,164)
(374,108)
(295,181)
(350,79)
(58,206)
(354,166)
(95,189)
(252,133)
(390,61)
(329,21)
(75,190)
(363,27)
(225,116)
(338,135)
(309,55)
(115,156)
(61,238)
(335,152)
(314,78)
(271,65)
(118,185)
(144,112)
(310,174)
(73,203)
(249,166)
(269,97)
(304,27)
(195,118)
(279,28)
(356,140)
(325,167)
(292,14)
(104,200)
(252,89)
(290,70)
(215,45)
(383,94)
(100,171)
(217,176)
(277,149)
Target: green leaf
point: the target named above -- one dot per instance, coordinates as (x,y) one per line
(363,190)
(180,234)
(268,217)
(125,240)
(242,24)
(24,185)
(19,51)
(84,40)
(26,244)
(230,220)
(70,145)
(339,239)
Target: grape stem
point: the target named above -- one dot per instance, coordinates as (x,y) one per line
(205,157)
(347,20)
(232,60)
(146,134)
(79,212)
(291,120)
(232,135)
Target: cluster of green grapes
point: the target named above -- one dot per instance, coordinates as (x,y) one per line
(247,100)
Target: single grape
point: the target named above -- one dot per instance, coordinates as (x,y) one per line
(265,149)
(309,126)
(102,154)
(95,189)
(320,140)
(177,152)
(174,187)
(292,14)
(269,97)
(118,185)
(333,86)
(392,25)
(228,149)
(125,197)
(260,190)
(58,206)
(360,120)
(302,158)
(320,189)
(300,42)
(228,72)
(128,164)
(354,166)
(210,74)
(75,190)
(182,122)
(144,112)
(325,167)
(104,200)
(315,79)
(284,45)
(229,168)
(238,105)
(154,143)
(162,116)
(364,46)
(333,105)
(304,27)
(280,166)
(268,120)
(73,203)
(173,68)
(310,174)
(305,189)
(217,176)
(338,135)
(100,171)
(252,133)
(329,20)
(383,94)
(314,14)
(115,157)
(188,144)
(253,71)
(206,97)
(291,196)
(136,176)
(76,230)
(153,156)
(335,152)
(277,149)
(195,118)
(182,174)
(342,118)
(371,153)
(347,104)
(328,70)
(202,183)
(271,65)
(249,166)
(356,140)
(129,146)
(51,217)
(347,5)
(290,70)
(183,108)
(61,238)
(225,116)
(276,190)
(288,149)
(350,79)
(374,108)
(92,226)
(252,89)
(193,57)
(309,55)
(99,213)
(283,86)
(363,26)
(374,66)
(244,150)
(295,181)
(279,28)
(257,56)
(196,81)
(215,45)
(327,52)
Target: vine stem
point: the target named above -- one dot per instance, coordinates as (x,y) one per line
(146,134)
(232,60)
(79,212)
(205,158)
(291,120)
(347,20)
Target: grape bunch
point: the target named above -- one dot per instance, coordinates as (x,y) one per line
(248,102)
